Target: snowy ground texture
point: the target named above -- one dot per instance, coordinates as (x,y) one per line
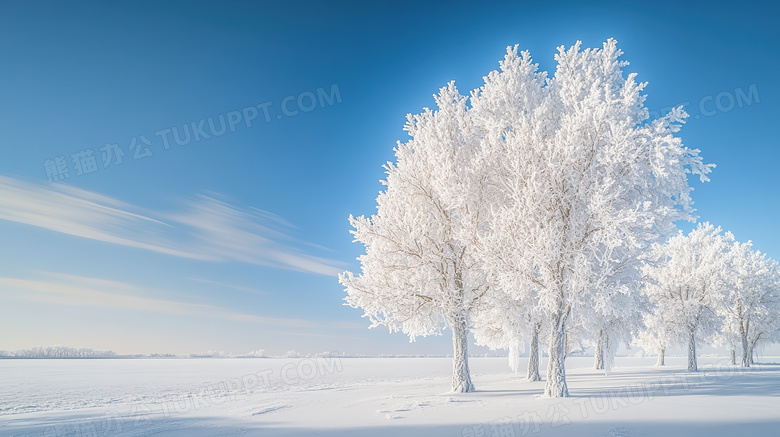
(381,397)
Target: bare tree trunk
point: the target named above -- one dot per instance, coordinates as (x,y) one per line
(608,353)
(661,355)
(747,351)
(556,368)
(733,356)
(598,363)
(461,377)
(692,366)
(751,346)
(533,356)
(743,332)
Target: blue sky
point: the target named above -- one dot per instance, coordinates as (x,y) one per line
(232,242)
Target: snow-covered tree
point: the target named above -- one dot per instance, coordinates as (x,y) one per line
(616,319)
(686,281)
(418,274)
(764,329)
(749,294)
(510,321)
(614,316)
(765,322)
(657,335)
(583,180)
(501,327)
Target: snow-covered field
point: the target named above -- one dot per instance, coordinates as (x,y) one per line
(380,397)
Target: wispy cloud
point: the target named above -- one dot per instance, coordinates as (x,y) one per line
(226,285)
(206,227)
(94,292)
(249,235)
(81,213)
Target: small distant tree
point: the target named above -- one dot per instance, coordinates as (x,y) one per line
(749,295)
(657,335)
(510,321)
(686,281)
(418,274)
(765,322)
(614,320)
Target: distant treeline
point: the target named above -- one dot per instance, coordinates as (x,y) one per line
(64,352)
(57,352)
